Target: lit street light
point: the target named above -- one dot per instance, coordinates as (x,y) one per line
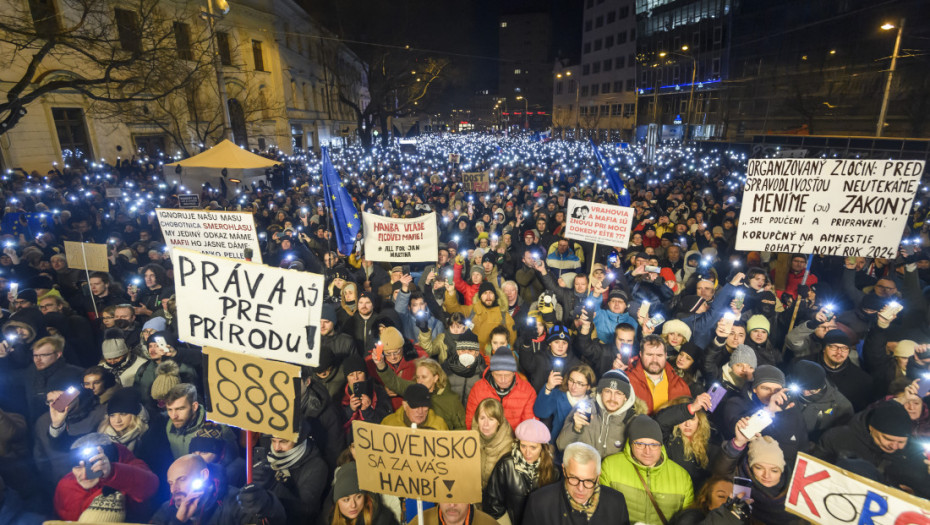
(526,108)
(693,79)
(894,60)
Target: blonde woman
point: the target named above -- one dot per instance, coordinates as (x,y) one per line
(127,423)
(495,433)
(352,506)
(430,374)
(689,439)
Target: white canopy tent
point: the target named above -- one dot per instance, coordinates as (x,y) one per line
(240,164)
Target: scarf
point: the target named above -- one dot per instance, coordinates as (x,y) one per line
(521,465)
(501,392)
(282,462)
(587,507)
(121,367)
(457,368)
(493,448)
(129,439)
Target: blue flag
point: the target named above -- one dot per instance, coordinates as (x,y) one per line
(346,221)
(613,178)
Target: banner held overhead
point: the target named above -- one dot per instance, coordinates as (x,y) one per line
(600,223)
(401,240)
(219,233)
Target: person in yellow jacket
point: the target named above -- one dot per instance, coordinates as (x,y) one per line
(644,463)
(485,314)
(416,409)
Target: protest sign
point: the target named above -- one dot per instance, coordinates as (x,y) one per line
(114,193)
(189,200)
(823,493)
(476,181)
(221,233)
(249,308)
(454,158)
(87,256)
(401,240)
(850,208)
(432,465)
(252,393)
(600,223)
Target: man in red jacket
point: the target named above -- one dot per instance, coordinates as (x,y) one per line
(653,379)
(106,477)
(502,382)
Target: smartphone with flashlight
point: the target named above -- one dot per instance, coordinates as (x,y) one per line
(717,392)
(378,353)
(742,486)
(923,387)
(66,398)
(14,290)
(653,269)
(626,352)
(449,277)
(655,321)
(558,365)
(892,308)
(828,312)
(644,308)
(739,300)
(757,423)
(86,454)
(584,408)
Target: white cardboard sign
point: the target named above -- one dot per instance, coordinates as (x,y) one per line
(220,233)
(601,223)
(401,240)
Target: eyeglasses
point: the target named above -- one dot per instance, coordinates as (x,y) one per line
(648,446)
(586,483)
(577,383)
(43,356)
(394,353)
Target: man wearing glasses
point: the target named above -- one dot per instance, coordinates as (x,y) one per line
(47,367)
(579,498)
(655,487)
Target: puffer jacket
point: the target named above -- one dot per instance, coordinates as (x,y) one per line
(607,430)
(669,483)
(483,318)
(399,419)
(507,490)
(518,401)
(446,403)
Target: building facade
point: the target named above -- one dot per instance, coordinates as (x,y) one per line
(525,73)
(277,74)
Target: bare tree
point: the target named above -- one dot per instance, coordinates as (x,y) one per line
(138,51)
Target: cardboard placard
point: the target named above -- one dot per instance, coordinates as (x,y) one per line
(248,308)
(220,233)
(114,193)
(476,181)
(252,393)
(189,200)
(823,493)
(601,223)
(401,240)
(849,208)
(455,158)
(441,466)
(87,256)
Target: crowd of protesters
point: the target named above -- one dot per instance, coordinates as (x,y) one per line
(585,373)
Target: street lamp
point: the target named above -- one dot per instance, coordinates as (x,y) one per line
(526,108)
(577,111)
(693,79)
(222,6)
(894,60)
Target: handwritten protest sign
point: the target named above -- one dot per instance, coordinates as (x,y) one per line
(252,393)
(431,465)
(852,208)
(189,200)
(454,158)
(600,223)
(87,256)
(396,240)
(221,233)
(823,493)
(477,181)
(248,308)
(114,193)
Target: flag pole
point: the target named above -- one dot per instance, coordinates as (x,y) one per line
(797,301)
(327,194)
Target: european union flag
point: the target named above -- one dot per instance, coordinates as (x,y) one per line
(27,224)
(346,221)
(613,178)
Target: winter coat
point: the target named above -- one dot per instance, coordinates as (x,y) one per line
(446,403)
(825,410)
(301,493)
(530,286)
(180,438)
(670,417)
(605,322)
(600,356)
(676,387)
(694,516)
(517,401)
(325,419)
(802,343)
(147,373)
(790,430)
(379,409)
(341,344)
(431,517)
(549,506)
(464,286)
(360,330)
(607,430)
(129,476)
(13,510)
(768,503)
(508,490)
(52,453)
(851,381)
(483,318)
(882,366)
(37,381)
(538,365)
(125,372)
(404,369)
(408,321)
(554,405)
(399,419)
(669,483)
(224,510)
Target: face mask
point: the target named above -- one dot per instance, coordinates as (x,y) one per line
(466,360)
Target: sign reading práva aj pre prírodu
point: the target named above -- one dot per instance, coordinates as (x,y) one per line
(852,208)
(221,233)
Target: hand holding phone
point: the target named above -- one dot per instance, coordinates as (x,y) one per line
(742,487)
(655,321)
(757,423)
(378,353)
(65,399)
(717,392)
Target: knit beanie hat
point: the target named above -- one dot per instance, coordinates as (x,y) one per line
(503,361)
(391,339)
(418,396)
(467,341)
(346,481)
(692,350)
(756,322)
(905,348)
(329,313)
(107,507)
(871,301)
(809,375)
(676,326)
(744,354)
(114,344)
(618,293)
(558,333)
(533,431)
(354,363)
(764,449)
(159,324)
(167,376)
(208,439)
(615,380)
(836,337)
(643,426)
(768,374)
(486,287)
(890,417)
(476,268)
(126,400)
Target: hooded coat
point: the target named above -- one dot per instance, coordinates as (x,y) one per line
(607,430)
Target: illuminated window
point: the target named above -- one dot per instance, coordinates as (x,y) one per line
(503,24)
